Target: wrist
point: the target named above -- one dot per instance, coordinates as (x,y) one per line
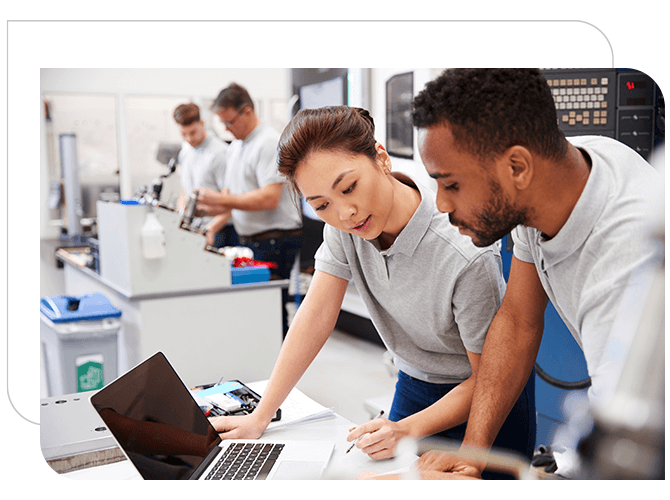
(406,428)
(224,200)
(476,455)
(262,417)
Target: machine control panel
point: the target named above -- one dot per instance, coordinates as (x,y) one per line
(619,103)
(636,111)
(585,100)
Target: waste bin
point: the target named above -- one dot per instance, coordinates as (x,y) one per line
(79,342)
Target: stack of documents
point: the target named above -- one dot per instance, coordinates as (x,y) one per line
(296,409)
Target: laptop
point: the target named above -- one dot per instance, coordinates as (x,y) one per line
(165,434)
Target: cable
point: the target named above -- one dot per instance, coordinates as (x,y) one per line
(562,384)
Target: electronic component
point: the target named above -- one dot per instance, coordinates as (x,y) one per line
(237,399)
(227,402)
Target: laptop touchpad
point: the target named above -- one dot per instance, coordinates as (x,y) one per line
(290,469)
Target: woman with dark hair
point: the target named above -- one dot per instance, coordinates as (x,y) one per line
(430,292)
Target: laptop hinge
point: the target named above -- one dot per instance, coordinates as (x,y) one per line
(211,456)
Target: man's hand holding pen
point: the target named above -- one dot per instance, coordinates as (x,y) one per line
(377,438)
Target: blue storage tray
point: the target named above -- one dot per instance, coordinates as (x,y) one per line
(65,309)
(249,274)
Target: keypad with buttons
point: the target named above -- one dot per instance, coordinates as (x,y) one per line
(584,100)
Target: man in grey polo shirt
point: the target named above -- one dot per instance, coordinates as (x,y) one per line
(491,139)
(263,213)
(202,164)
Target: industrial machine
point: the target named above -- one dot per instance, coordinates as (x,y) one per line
(624,104)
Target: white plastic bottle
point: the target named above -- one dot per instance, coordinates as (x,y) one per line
(153,238)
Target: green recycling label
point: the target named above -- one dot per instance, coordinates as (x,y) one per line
(89,372)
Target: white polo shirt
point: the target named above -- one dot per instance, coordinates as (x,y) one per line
(586,267)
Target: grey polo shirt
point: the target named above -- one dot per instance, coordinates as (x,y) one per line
(585,268)
(252,164)
(431,295)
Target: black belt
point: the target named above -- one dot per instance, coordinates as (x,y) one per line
(272,234)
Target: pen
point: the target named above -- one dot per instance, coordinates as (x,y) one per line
(356,441)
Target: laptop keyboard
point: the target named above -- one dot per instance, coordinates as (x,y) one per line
(246,461)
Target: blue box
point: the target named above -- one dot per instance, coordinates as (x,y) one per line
(249,274)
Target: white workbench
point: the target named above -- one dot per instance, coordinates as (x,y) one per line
(57,417)
(234,331)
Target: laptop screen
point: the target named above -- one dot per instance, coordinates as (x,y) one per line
(156,421)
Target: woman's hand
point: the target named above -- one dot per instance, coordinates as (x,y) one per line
(239,427)
(382,437)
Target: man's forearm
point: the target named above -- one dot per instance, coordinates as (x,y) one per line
(258,200)
(218,222)
(253,201)
(506,363)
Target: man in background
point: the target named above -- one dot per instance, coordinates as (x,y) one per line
(202,161)
(263,212)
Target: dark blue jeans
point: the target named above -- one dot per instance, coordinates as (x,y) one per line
(226,237)
(283,252)
(517,433)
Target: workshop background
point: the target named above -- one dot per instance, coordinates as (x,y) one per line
(119,119)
